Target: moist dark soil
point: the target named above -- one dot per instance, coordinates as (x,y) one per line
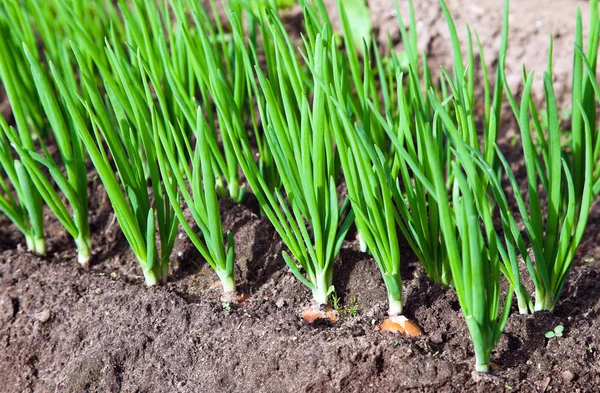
(66,329)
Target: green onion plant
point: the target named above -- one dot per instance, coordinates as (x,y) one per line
(40,115)
(27,210)
(474,264)
(201,200)
(17,199)
(550,172)
(474,248)
(371,190)
(72,211)
(308,216)
(124,124)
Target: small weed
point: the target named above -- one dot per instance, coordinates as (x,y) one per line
(557,332)
(349,310)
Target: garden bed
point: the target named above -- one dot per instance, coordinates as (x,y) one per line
(67,329)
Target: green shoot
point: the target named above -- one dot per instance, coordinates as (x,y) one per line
(370,190)
(37,111)
(201,202)
(309,218)
(125,125)
(471,242)
(349,310)
(20,207)
(556,332)
(554,240)
(418,213)
(27,210)
(73,184)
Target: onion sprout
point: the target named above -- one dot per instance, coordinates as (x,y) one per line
(125,125)
(202,202)
(27,210)
(309,219)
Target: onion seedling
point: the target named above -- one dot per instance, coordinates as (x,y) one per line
(309,219)
(125,124)
(25,109)
(475,269)
(371,190)
(185,55)
(472,244)
(37,111)
(366,172)
(418,213)
(202,201)
(555,239)
(187,168)
(72,183)
(16,195)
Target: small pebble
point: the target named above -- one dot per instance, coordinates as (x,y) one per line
(280,303)
(43,316)
(568,376)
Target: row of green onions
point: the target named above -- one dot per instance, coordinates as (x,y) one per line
(170,102)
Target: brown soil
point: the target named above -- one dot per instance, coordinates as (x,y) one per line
(532,22)
(65,329)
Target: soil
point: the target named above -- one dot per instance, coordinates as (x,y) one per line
(66,329)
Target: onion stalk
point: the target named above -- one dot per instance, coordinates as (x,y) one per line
(124,124)
(308,218)
(202,201)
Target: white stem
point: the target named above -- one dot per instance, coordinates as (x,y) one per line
(228,284)
(522,302)
(39,246)
(361,243)
(151,278)
(83,251)
(539,300)
(395,307)
(29,243)
(320,292)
